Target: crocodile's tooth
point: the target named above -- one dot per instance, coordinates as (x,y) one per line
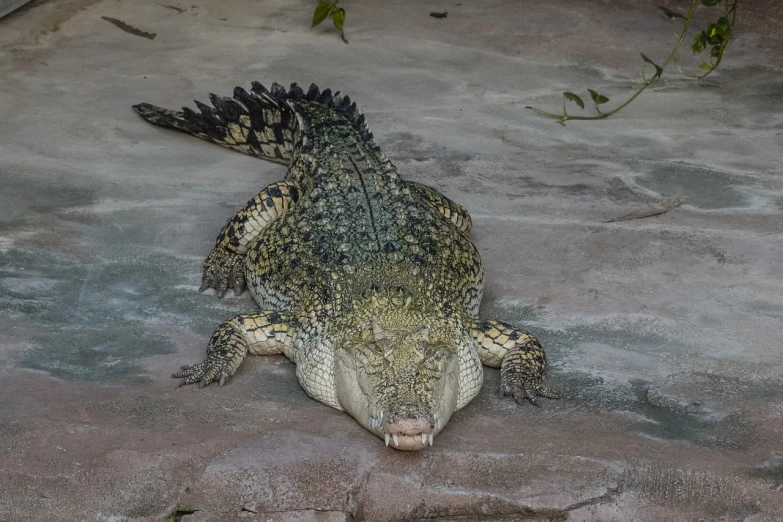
(424,438)
(430,439)
(396,441)
(387,439)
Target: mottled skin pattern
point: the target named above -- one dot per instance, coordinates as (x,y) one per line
(370,283)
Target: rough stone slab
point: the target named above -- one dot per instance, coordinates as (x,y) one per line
(663,333)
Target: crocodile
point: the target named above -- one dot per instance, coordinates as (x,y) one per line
(367,282)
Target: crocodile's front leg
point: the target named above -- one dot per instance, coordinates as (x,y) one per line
(224,268)
(519,356)
(262,333)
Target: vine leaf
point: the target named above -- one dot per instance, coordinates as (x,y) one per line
(322,10)
(339,19)
(658,70)
(574,98)
(671,14)
(598,99)
(699,43)
(710,3)
(723,28)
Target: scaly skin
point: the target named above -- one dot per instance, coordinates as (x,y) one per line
(370,283)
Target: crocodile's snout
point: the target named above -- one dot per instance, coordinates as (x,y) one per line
(409,429)
(398,372)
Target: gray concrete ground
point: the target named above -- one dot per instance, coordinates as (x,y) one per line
(8,6)
(664,334)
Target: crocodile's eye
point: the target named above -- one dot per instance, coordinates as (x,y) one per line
(433,358)
(383,346)
(428,348)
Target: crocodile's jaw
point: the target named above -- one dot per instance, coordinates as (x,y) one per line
(410,434)
(385,410)
(415,436)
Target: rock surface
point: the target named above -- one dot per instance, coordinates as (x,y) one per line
(664,333)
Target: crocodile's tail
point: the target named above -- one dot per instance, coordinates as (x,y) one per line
(266,123)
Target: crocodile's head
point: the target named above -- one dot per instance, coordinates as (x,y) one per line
(397,375)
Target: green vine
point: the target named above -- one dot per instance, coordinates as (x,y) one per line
(716,36)
(326,9)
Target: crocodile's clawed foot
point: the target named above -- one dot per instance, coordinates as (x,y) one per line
(226,351)
(223,270)
(203,373)
(529,393)
(522,373)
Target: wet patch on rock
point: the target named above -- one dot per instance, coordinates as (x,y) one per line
(623,387)
(96,322)
(704,188)
(667,420)
(651,415)
(21,196)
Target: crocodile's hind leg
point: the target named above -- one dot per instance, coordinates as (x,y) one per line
(224,268)
(262,333)
(452,211)
(519,356)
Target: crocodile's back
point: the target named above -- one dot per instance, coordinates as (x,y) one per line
(358,226)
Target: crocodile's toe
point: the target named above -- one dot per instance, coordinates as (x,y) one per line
(529,393)
(226,351)
(223,270)
(523,371)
